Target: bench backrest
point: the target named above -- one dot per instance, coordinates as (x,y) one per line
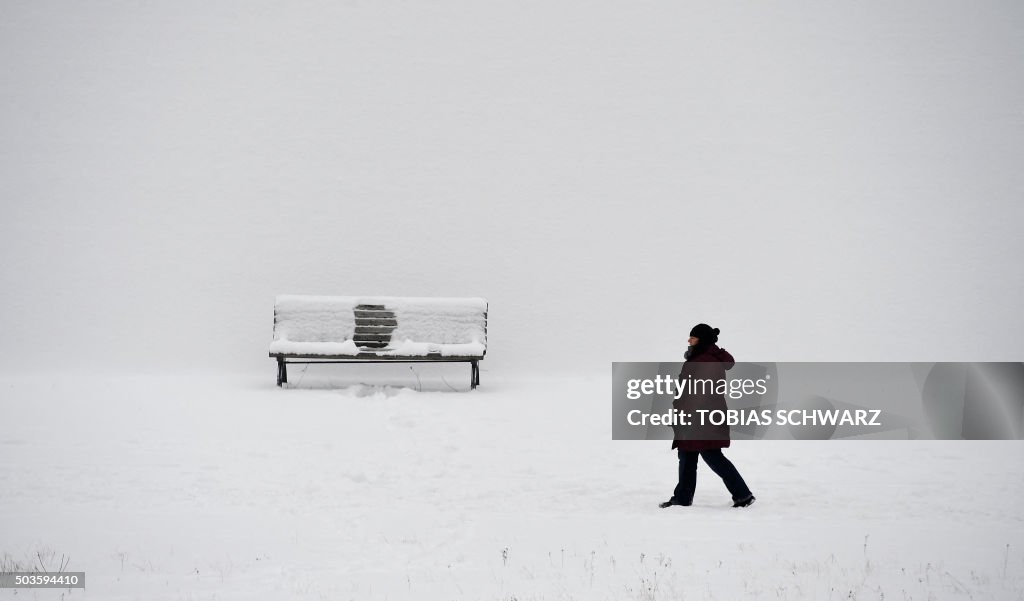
(380,323)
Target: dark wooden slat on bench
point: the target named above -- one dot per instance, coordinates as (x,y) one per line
(377,322)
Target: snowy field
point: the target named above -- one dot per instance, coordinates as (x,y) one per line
(822,181)
(218,487)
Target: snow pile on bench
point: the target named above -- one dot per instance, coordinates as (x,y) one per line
(326,325)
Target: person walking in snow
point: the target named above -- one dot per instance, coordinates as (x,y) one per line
(704,360)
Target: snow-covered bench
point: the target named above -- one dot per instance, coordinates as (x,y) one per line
(378,329)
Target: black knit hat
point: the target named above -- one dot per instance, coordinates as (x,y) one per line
(706,333)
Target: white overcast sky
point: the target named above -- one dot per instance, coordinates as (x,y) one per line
(822,181)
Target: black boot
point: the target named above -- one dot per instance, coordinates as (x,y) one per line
(672,502)
(745,502)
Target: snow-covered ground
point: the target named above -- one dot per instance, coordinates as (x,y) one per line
(225,487)
(821,181)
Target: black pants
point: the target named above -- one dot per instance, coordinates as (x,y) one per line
(719,464)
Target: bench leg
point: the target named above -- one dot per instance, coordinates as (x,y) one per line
(474,376)
(282,371)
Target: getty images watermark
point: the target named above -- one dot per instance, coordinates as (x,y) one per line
(732,389)
(937,401)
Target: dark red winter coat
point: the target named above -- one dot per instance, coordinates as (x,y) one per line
(710,363)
